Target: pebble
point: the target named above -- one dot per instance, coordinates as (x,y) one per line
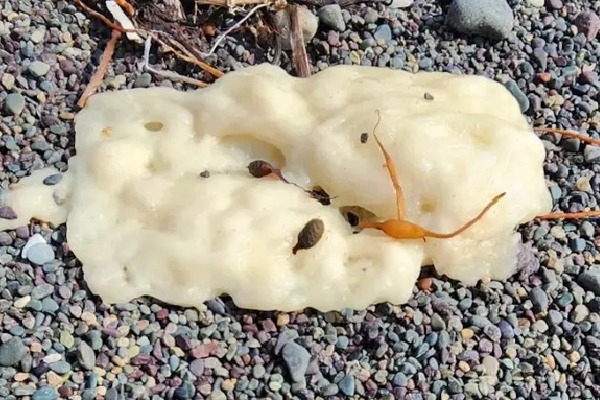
(347,385)
(401,3)
(590,280)
(45,393)
(539,299)
(86,356)
(14,103)
(331,16)
(60,367)
(588,22)
(39,68)
(521,98)
(40,253)
(492,19)
(52,180)
(296,359)
(11,352)
(7,212)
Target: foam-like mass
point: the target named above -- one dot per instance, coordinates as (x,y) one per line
(143,222)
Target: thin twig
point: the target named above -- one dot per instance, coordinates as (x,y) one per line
(167,74)
(232,3)
(101,17)
(98,76)
(235,26)
(299,55)
(127,7)
(185,55)
(575,215)
(569,134)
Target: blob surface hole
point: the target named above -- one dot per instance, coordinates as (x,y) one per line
(250,148)
(154,126)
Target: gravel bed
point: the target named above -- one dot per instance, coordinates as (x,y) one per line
(536,336)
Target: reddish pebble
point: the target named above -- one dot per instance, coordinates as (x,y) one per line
(425,284)
(204,350)
(544,77)
(65,391)
(162,313)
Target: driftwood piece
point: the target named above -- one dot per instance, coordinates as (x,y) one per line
(300,58)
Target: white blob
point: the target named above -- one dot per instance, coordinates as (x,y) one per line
(143,222)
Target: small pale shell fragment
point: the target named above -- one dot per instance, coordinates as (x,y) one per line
(117,12)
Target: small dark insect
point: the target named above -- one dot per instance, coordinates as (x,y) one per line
(364,137)
(260,168)
(428,96)
(355,214)
(309,235)
(353,219)
(321,195)
(205,174)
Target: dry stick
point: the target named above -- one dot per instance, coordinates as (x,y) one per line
(586,139)
(102,18)
(235,26)
(167,74)
(300,57)
(189,57)
(185,55)
(96,79)
(569,134)
(231,3)
(126,6)
(575,215)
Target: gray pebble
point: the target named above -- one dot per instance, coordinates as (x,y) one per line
(591,154)
(5,239)
(23,390)
(60,367)
(347,385)
(143,81)
(11,352)
(14,103)
(86,356)
(6,212)
(492,19)
(40,253)
(539,299)
(52,179)
(590,280)
(296,359)
(521,97)
(331,15)
(38,68)
(41,291)
(45,393)
(383,32)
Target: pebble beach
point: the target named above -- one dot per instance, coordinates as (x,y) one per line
(535,336)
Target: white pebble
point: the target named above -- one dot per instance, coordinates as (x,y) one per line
(401,3)
(35,239)
(536,3)
(40,253)
(22,302)
(52,358)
